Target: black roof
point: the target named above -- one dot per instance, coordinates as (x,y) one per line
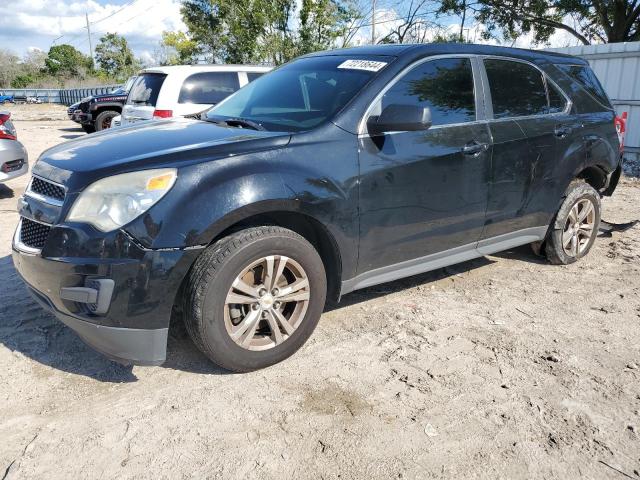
(428,49)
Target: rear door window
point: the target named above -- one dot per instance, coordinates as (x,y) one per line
(517,89)
(208,87)
(445,86)
(146,89)
(585,77)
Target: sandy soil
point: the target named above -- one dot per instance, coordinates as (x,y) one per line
(502,367)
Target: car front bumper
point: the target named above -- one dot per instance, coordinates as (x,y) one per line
(133,327)
(11,154)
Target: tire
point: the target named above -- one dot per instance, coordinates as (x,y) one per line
(103,120)
(579,199)
(213,321)
(88,128)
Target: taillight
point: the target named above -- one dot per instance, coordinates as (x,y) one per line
(7,130)
(162,113)
(621,127)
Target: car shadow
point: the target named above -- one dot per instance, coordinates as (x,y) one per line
(376,291)
(26,328)
(29,330)
(523,253)
(71,129)
(6,192)
(71,137)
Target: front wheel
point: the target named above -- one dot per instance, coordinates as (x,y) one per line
(252,299)
(576,225)
(103,120)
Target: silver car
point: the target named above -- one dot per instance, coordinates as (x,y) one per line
(13,156)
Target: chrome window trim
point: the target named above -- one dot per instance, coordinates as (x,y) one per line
(48,200)
(362,126)
(546,79)
(17,241)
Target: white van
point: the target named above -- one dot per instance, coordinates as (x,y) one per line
(164,92)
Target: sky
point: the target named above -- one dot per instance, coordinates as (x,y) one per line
(29,24)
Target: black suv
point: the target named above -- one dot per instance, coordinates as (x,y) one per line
(337,171)
(95,113)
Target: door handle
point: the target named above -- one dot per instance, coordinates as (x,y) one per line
(561,131)
(474,148)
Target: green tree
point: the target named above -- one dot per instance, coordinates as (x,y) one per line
(249,31)
(322,23)
(23,80)
(179,48)
(115,58)
(589,21)
(204,20)
(64,61)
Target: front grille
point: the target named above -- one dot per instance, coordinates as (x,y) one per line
(12,166)
(33,234)
(47,189)
(84,107)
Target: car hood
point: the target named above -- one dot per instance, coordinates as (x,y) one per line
(174,143)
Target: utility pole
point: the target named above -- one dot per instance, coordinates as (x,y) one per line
(373,22)
(86,16)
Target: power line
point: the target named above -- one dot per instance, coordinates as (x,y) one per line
(116,12)
(93,23)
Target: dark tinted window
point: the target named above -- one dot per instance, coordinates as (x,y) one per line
(585,76)
(251,76)
(146,88)
(302,94)
(517,89)
(444,86)
(557,102)
(208,87)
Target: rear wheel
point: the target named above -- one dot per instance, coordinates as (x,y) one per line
(103,120)
(253,299)
(576,225)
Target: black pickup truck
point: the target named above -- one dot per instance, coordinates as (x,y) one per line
(95,113)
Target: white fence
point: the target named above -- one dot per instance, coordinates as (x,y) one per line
(617,65)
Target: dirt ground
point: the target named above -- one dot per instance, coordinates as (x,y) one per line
(502,367)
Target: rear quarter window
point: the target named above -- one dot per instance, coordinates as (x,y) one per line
(146,89)
(588,80)
(208,87)
(251,76)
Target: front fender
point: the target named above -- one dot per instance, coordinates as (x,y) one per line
(315,175)
(100,105)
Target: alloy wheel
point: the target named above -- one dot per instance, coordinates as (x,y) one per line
(578,228)
(266,303)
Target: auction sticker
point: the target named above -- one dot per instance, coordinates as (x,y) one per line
(368,65)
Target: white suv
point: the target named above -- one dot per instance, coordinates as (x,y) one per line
(163,92)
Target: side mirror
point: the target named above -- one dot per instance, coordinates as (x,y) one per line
(400,118)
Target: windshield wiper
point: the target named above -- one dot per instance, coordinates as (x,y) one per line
(236,122)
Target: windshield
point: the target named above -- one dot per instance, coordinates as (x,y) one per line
(302,94)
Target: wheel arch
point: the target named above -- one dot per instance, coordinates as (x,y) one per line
(594,175)
(303,224)
(101,107)
(284,214)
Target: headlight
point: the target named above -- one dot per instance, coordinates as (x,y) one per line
(112,202)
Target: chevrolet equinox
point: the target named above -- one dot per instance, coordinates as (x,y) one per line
(337,171)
